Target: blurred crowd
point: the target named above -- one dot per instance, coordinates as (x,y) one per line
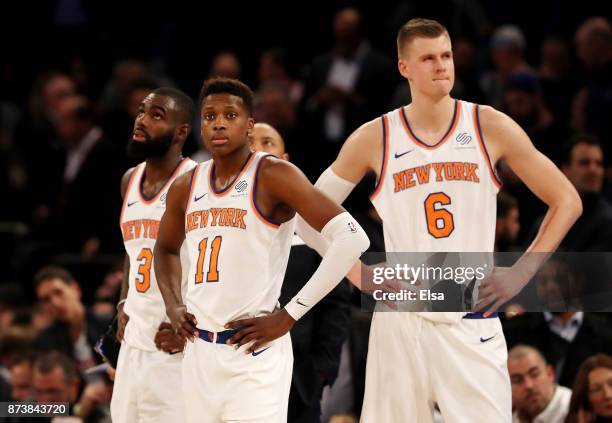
(62,154)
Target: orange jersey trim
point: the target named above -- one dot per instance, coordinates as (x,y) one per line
(270,223)
(168,182)
(483,148)
(444,138)
(127,194)
(228,188)
(381,177)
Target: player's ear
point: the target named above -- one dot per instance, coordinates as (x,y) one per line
(183,130)
(250,126)
(403,69)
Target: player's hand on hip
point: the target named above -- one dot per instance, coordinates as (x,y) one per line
(183,322)
(502,284)
(122,320)
(260,330)
(168,341)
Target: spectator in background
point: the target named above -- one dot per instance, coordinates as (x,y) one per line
(536,398)
(273,68)
(507,48)
(125,74)
(467,81)
(118,123)
(76,330)
(565,339)
(556,79)
(273,105)
(47,91)
(507,224)
(91,170)
(21,370)
(317,338)
(56,379)
(347,86)
(592,391)
(523,102)
(593,41)
(36,141)
(583,164)
(225,64)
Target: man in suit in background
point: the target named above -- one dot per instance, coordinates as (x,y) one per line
(317,338)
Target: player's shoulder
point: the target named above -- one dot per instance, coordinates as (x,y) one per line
(370,133)
(184,179)
(125,179)
(489,117)
(272,167)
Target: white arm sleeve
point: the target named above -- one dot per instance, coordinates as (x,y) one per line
(335,188)
(347,241)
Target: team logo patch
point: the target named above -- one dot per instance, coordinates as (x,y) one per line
(241,186)
(463,138)
(162,199)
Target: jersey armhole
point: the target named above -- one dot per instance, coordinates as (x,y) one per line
(265,219)
(127,193)
(383,167)
(194,175)
(483,148)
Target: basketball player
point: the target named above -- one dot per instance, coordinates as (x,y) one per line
(236,214)
(436,192)
(145,375)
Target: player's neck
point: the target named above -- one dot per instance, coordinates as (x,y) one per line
(227,166)
(159,168)
(430,115)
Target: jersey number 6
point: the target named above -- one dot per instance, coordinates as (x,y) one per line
(213,272)
(440,222)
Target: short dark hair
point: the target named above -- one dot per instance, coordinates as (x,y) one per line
(51,360)
(580,138)
(185,105)
(505,203)
(418,27)
(222,85)
(52,272)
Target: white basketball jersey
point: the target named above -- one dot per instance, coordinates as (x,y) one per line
(238,257)
(439,198)
(140,217)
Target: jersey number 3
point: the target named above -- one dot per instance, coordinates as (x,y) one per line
(440,222)
(213,272)
(145,258)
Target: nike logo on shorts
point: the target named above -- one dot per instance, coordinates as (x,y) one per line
(486,339)
(256,353)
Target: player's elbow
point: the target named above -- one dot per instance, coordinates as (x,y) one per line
(362,243)
(344,231)
(571,204)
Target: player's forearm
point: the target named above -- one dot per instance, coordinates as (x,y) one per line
(556,223)
(168,273)
(347,242)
